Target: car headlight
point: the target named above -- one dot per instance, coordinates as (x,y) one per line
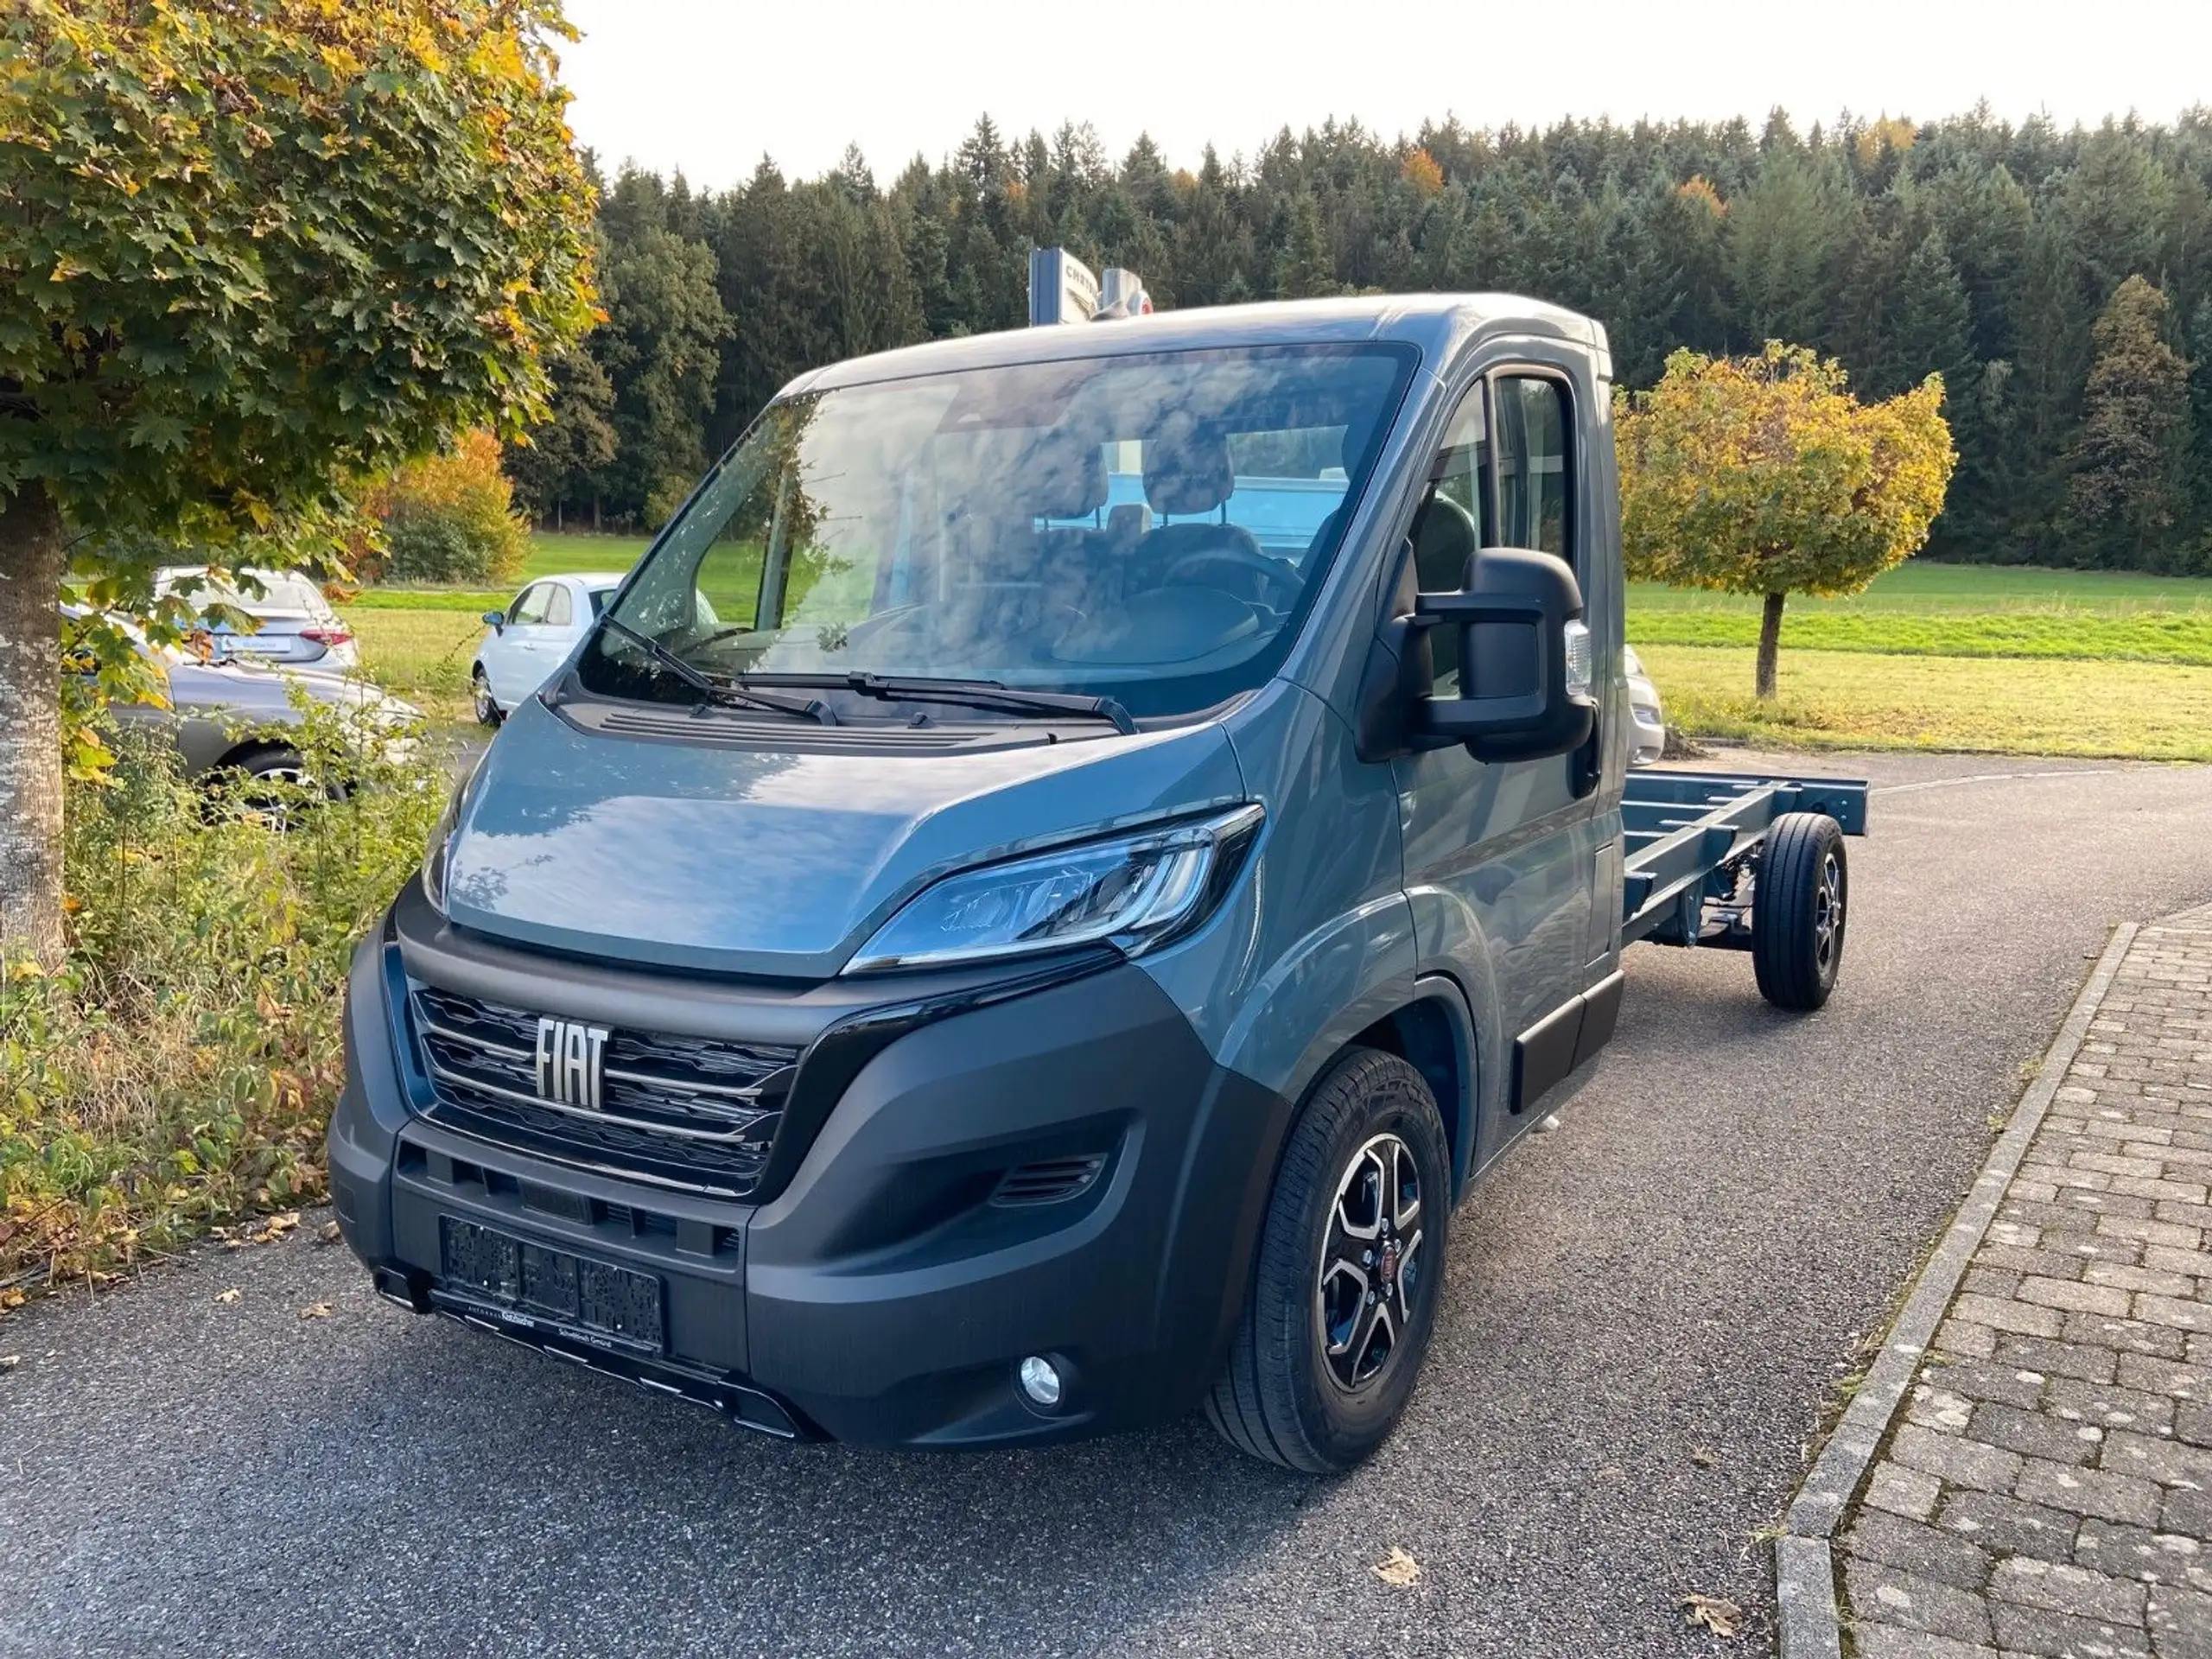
(1135,890)
(434,854)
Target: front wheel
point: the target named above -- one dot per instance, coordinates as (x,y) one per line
(487,709)
(1350,1265)
(1798,910)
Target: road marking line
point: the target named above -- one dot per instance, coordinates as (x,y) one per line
(1997,778)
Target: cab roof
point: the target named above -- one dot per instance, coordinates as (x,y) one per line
(1437,324)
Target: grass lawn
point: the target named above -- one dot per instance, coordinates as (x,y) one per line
(1862,699)
(1948,656)
(422,655)
(1913,585)
(562,553)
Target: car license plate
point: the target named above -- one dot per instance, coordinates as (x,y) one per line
(597,1300)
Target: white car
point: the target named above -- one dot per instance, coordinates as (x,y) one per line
(298,629)
(532,637)
(1645,712)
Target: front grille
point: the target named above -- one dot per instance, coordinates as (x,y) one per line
(693,1112)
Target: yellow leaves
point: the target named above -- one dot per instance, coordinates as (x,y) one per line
(1763,475)
(1398,1569)
(1892,133)
(1698,191)
(1715,1613)
(1422,170)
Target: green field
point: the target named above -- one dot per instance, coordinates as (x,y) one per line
(1932,655)
(1948,656)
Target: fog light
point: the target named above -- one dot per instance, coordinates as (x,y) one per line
(1039,1381)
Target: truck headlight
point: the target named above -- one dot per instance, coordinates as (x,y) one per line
(434,853)
(1135,891)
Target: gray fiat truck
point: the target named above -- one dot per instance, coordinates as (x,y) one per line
(1050,882)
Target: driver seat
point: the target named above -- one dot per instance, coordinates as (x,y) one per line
(1186,473)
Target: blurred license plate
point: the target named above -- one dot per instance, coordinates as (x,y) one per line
(595,1299)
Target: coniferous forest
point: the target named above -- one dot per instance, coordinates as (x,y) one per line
(2060,281)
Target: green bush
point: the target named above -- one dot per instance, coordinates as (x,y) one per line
(447,520)
(178,1073)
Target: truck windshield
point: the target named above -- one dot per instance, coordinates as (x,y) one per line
(1147,529)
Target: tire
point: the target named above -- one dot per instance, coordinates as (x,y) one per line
(240,785)
(1799,911)
(1283,1396)
(488,710)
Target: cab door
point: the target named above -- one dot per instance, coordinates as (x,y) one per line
(1502,859)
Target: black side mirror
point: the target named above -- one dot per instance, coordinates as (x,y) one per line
(1518,699)
(496,620)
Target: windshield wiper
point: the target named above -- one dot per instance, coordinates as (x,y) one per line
(975,694)
(730,696)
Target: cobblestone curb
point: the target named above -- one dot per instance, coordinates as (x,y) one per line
(1808,1626)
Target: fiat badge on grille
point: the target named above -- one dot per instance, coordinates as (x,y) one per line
(570,1057)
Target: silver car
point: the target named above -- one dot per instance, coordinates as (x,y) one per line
(1645,712)
(297,625)
(237,717)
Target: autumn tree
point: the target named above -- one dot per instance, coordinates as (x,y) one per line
(1764,475)
(2127,489)
(252,253)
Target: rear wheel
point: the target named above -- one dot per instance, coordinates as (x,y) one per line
(269,785)
(487,709)
(1350,1265)
(1798,910)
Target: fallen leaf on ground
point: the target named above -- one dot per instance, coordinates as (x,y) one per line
(226,1296)
(1397,1567)
(1703,1457)
(1716,1613)
(9,1362)
(316,1311)
(332,1232)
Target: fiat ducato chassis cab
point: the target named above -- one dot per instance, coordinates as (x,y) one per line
(1039,897)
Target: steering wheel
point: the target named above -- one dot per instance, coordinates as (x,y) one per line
(1272,573)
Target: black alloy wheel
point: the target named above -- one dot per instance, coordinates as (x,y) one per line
(1799,910)
(1349,1261)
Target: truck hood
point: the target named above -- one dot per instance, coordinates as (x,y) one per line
(742,859)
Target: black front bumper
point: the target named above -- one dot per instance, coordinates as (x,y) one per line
(887,1289)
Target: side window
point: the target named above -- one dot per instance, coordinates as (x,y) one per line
(530,603)
(1449,528)
(560,610)
(1533,483)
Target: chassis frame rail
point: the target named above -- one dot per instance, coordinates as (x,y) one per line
(1687,837)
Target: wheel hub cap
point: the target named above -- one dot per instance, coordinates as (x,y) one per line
(1371,1265)
(1827,911)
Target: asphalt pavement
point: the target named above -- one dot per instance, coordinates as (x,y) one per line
(1644,1313)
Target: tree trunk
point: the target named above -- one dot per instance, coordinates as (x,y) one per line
(31,563)
(1770,642)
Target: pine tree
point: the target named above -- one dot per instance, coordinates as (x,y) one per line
(1931,330)
(2200,448)
(2126,491)
(1307,267)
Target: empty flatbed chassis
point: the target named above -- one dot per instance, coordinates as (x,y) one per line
(1691,838)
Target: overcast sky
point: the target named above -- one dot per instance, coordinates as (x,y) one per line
(710,86)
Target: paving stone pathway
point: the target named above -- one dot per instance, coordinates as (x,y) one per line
(2046,1488)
